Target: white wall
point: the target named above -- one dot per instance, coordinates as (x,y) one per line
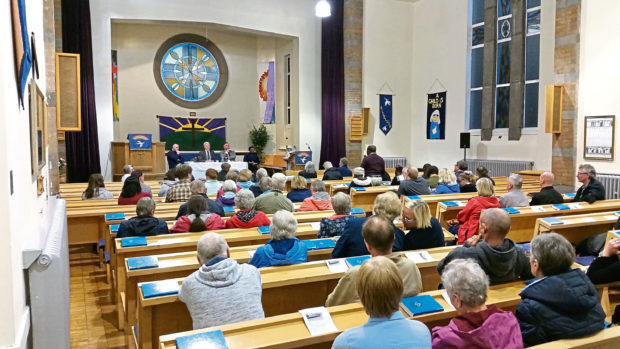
(599,73)
(22,213)
(283,17)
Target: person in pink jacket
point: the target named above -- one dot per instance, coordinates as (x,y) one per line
(476,325)
(319,201)
(198,218)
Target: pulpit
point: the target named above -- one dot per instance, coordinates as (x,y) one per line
(152,162)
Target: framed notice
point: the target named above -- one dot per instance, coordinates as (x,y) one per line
(599,138)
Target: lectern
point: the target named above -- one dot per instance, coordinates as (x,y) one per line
(152,161)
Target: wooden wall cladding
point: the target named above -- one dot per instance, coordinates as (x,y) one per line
(68,92)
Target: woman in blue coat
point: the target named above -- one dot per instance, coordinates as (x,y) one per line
(447,183)
(283,248)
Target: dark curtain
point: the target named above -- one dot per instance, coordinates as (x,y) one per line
(82,147)
(332,85)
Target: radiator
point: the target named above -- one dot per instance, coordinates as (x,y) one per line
(611,181)
(500,168)
(391,162)
(48,283)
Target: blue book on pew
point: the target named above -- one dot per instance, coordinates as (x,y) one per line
(307,179)
(134,241)
(359,188)
(357,210)
(355,261)
(560,207)
(414,197)
(419,305)
(511,210)
(325,243)
(348,184)
(570,195)
(526,246)
(146,262)
(160,288)
(585,260)
(553,220)
(265,230)
(212,340)
(114,228)
(114,216)
(450,203)
(310,244)
(228,209)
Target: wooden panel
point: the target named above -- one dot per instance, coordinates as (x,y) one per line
(356,129)
(553,108)
(365,120)
(151,162)
(68,93)
(274,160)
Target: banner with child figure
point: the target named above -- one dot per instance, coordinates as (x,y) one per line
(436,115)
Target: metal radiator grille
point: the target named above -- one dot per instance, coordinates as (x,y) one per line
(391,162)
(611,181)
(500,168)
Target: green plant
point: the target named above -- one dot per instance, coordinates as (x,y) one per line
(259,138)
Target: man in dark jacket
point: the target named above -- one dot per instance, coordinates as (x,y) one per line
(498,256)
(331,172)
(412,184)
(144,224)
(373,164)
(547,195)
(198,188)
(344,168)
(221,176)
(591,190)
(174,157)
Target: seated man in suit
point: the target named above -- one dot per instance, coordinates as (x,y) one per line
(344,168)
(197,187)
(378,236)
(547,195)
(591,190)
(144,224)
(228,154)
(351,242)
(498,256)
(206,154)
(221,291)
(174,157)
(412,184)
(514,197)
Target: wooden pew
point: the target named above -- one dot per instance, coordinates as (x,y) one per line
(579,227)
(605,339)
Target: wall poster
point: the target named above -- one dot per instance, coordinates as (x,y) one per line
(599,138)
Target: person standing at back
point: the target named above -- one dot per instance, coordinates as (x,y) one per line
(373,164)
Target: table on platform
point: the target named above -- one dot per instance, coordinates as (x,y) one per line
(199,168)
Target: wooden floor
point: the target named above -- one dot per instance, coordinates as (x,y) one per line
(93,320)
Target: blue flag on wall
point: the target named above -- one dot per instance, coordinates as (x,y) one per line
(385,113)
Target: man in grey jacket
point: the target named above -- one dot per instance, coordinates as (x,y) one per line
(412,184)
(514,197)
(221,291)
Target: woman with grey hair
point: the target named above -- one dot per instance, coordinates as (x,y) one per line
(309,171)
(359,179)
(319,201)
(283,248)
(335,224)
(475,325)
(592,189)
(561,302)
(230,190)
(247,216)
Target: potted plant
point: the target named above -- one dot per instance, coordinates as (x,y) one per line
(259,138)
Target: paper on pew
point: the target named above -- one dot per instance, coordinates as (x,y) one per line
(339,186)
(538,209)
(419,256)
(588,219)
(167,242)
(315,225)
(574,205)
(447,299)
(460,203)
(251,252)
(611,216)
(394,187)
(318,321)
(336,265)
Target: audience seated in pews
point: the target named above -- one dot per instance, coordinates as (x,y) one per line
(299,189)
(412,184)
(498,256)
(514,197)
(232,175)
(283,248)
(212,184)
(467,182)
(197,188)
(380,289)
(468,217)
(274,200)
(167,183)
(373,164)
(256,188)
(331,173)
(319,201)
(425,231)
(229,188)
(378,236)
(476,325)
(131,192)
(547,195)
(398,175)
(96,189)
(446,183)
(431,174)
(359,179)
(592,189)
(334,225)
(606,268)
(221,291)
(224,169)
(245,179)
(561,302)
(460,167)
(127,170)
(344,168)
(145,187)
(144,224)
(309,171)
(247,216)
(198,217)
(181,191)
(351,242)
(482,172)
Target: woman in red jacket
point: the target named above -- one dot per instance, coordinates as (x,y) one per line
(319,201)
(246,217)
(470,215)
(198,218)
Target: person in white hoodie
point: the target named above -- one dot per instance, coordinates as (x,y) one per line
(359,179)
(221,291)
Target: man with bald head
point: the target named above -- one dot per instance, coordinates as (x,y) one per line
(498,256)
(412,184)
(547,195)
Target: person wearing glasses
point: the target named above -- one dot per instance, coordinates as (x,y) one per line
(591,190)
(424,230)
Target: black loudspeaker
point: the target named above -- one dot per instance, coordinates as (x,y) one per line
(465,136)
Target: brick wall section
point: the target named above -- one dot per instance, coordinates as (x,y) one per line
(566,68)
(353,52)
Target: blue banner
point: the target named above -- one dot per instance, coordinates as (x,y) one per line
(302,157)
(140,141)
(385,113)
(436,116)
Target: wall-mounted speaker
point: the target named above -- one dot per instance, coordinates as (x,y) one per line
(553,108)
(465,138)
(68,92)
